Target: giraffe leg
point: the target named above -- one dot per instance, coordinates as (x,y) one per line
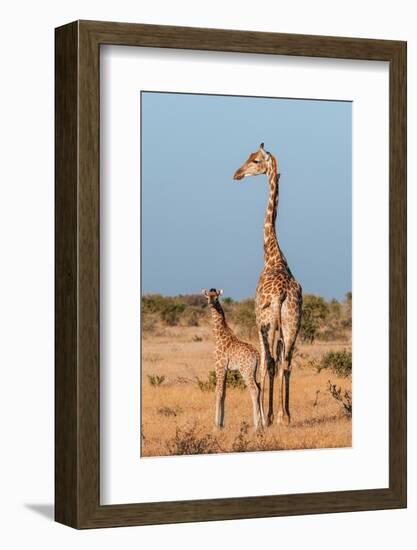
(291,318)
(254,390)
(220,396)
(287,375)
(268,339)
(280,383)
(261,398)
(271,398)
(282,415)
(254,393)
(262,375)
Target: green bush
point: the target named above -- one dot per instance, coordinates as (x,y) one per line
(193,315)
(315,312)
(320,319)
(324,320)
(233,380)
(338,321)
(209,384)
(335,309)
(169,309)
(154,303)
(243,314)
(172,313)
(193,300)
(339,362)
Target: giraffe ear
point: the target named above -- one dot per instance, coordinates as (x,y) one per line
(220,292)
(204,291)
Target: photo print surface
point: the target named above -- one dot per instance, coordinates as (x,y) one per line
(246,274)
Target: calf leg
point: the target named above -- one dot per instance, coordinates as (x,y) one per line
(254,390)
(220,395)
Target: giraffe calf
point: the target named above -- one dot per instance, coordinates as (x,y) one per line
(232,354)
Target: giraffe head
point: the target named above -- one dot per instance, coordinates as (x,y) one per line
(257,163)
(212,295)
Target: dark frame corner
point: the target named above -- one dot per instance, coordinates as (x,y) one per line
(77,47)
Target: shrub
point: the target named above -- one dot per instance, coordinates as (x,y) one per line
(332,327)
(193,315)
(243,314)
(193,300)
(154,303)
(325,320)
(320,319)
(209,384)
(233,380)
(187,442)
(167,308)
(171,313)
(156,379)
(344,399)
(335,309)
(315,312)
(338,320)
(339,362)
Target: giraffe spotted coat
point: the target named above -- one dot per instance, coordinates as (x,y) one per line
(278,302)
(231,353)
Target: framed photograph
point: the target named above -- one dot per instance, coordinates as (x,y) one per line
(230,274)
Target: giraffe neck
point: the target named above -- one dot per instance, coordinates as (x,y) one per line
(220,327)
(272,251)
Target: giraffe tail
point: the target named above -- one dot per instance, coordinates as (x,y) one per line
(280,352)
(256,372)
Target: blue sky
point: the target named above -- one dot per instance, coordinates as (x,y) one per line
(200,228)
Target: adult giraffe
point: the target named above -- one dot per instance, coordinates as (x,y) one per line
(278,299)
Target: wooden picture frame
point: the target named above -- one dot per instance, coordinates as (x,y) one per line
(77,372)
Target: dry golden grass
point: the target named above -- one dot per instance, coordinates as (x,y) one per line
(177,416)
